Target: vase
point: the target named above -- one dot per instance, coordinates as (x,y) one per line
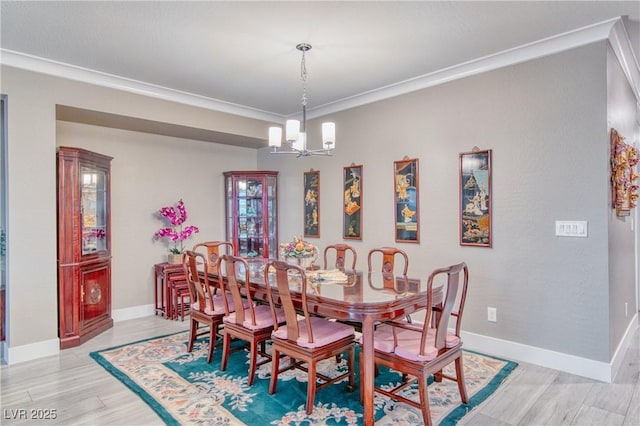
(174,259)
(305,262)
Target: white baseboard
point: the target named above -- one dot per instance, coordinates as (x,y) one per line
(625,343)
(132,312)
(572,364)
(33,351)
(15,355)
(597,370)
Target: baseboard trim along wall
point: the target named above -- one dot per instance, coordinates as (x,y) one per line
(597,370)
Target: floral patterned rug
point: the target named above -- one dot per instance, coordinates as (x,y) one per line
(183,389)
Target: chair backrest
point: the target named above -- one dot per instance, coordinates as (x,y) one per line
(288,276)
(199,287)
(454,295)
(340,252)
(235,270)
(386,258)
(214,250)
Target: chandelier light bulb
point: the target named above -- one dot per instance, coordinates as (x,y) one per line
(293,130)
(329,135)
(275,136)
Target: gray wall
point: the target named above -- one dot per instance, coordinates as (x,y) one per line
(545,121)
(621,115)
(149,172)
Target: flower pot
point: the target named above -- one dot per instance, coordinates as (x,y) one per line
(174,259)
(305,262)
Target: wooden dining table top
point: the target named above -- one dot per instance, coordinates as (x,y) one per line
(360,295)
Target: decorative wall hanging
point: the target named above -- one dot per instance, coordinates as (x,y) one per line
(475,198)
(624,192)
(352,211)
(405,175)
(312,203)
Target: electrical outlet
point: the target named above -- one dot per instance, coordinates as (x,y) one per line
(492,315)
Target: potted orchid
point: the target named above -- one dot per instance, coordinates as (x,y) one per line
(176,232)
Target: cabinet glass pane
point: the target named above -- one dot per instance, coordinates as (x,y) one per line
(94,210)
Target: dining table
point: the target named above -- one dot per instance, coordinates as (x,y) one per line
(360,298)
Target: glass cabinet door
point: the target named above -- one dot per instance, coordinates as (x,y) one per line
(250,213)
(93,210)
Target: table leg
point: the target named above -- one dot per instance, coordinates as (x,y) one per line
(368,370)
(167,296)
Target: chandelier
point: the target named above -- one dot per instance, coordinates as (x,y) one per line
(296,132)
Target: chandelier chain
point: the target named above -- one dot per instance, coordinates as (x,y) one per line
(303,77)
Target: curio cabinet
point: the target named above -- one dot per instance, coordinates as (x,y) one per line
(251,213)
(84,245)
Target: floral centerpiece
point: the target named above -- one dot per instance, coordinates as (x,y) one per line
(299,252)
(176,232)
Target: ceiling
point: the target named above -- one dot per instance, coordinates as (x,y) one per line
(243,53)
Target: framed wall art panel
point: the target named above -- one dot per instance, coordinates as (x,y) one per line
(312,203)
(352,211)
(406,200)
(475,198)
(624,190)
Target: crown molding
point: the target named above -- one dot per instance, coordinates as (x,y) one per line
(612,30)
(621,46)
(72,72)
(538,49)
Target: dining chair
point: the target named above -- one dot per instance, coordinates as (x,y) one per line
(339,252)
(386,258)
(213,249)
(420,350)
(253,323)
(308,339)
(207,307)
(177,291)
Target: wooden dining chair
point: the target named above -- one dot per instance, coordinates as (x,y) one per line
(213,250)
(306,340)
(253,323)
(386,258)
(207,307)
(339,252)
(177,291)
(420,350)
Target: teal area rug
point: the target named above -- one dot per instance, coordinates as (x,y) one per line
(183,389)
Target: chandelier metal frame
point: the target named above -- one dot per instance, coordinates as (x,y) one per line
(296,131)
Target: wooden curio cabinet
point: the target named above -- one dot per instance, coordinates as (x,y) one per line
(84,245)
(252,213)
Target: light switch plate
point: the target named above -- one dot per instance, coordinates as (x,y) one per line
(571,228)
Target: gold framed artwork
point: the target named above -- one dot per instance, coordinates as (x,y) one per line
(475,198)
(406,200)
(352,208)
(624,190)
(312,203)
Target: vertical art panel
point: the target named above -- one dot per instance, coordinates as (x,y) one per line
(475,198)
(312,203)
(352,211)
(406,200)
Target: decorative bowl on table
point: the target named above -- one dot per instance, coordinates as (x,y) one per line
(299,252)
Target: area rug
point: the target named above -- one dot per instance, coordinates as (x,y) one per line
(183,389)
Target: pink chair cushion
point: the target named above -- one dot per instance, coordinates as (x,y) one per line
(263,318)
(408,342)
(218,305)
(324,332)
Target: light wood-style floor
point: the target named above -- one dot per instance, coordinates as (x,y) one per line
(83,393)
